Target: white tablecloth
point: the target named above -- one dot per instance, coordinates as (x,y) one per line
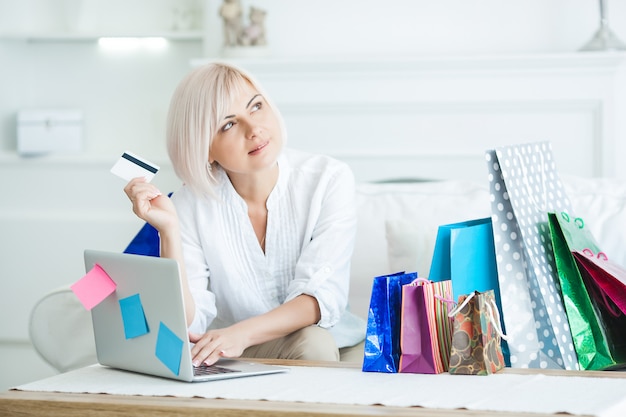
(601,397)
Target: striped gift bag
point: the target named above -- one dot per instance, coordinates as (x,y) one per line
(425,328)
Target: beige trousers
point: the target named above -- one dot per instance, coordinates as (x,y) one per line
(311,343)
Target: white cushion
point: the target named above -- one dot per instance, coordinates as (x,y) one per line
(392,216)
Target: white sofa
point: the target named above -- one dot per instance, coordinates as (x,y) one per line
(397,226)
(397,223)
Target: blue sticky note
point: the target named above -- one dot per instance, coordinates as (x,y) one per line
(169,348)
(134,319)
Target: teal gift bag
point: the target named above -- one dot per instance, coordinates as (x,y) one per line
(465,253)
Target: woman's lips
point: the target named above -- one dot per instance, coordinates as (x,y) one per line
(258,148)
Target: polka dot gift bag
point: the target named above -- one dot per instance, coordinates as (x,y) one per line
(524,187)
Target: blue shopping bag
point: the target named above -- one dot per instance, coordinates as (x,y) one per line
(465,253)
(382,339)
(146,241)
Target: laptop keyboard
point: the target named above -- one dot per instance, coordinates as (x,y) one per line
(212,370)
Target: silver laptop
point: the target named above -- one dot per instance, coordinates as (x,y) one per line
(141,326)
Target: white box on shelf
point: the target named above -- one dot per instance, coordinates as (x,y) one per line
(45,131)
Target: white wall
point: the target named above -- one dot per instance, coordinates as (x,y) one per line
(52,207)
(423,27)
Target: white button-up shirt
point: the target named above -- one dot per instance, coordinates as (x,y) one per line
(309,241)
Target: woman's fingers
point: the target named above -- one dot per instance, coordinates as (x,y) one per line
(208,349)
(205,351)
(139,188)
(140,194)
(128,189)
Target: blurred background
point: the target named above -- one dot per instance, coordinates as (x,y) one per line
(427,84)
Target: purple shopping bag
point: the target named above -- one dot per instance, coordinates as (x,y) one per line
(425,328)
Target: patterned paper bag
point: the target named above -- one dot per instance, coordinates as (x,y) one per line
(476,335)
(525,186)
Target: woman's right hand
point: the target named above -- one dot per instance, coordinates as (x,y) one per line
(150,204)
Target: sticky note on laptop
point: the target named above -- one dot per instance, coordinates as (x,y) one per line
(169,348)
(94,287)
(133,317)
(131,166)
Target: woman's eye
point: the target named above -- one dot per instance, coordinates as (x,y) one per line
(227,126)
(257,106)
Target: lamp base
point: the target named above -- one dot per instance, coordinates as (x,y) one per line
(604,40)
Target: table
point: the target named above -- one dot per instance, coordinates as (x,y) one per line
(20,403)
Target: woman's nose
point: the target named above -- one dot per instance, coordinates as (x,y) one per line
(252,130)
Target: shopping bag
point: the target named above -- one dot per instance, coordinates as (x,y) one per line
(608,276)
(146,241)
(425,328)
(382,338)
(465,253)
(525,186)
(606,283)
(476,335)
(569,234)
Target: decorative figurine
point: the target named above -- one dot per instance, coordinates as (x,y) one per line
(231,13)
(254,33)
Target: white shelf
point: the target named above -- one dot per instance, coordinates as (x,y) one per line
(63,37)
(12,158)
(440,64)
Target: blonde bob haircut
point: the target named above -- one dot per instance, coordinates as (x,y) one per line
(201,100)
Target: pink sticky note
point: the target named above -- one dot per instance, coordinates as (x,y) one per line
(94,287)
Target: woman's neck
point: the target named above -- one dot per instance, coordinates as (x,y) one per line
(255,188)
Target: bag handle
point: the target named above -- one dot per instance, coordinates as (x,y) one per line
(444,299)
(493,313)
(419,280)
(459,307)
(579,221)
(600,255)
(494,318)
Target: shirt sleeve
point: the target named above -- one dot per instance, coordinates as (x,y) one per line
(323,268)
(196,268)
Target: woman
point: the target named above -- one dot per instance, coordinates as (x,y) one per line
(263,235)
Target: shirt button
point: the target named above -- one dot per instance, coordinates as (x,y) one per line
(327,270)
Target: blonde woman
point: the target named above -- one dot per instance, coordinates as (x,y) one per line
(263,234)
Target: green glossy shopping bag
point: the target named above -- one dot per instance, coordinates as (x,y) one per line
(592,347)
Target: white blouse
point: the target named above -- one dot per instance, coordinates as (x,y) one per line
(311,226)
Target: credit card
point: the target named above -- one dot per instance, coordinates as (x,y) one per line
(131,166)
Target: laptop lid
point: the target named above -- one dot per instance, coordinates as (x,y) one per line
(141,326)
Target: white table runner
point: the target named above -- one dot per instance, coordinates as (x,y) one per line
(601,397)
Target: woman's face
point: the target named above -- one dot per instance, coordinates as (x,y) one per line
(249,137)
